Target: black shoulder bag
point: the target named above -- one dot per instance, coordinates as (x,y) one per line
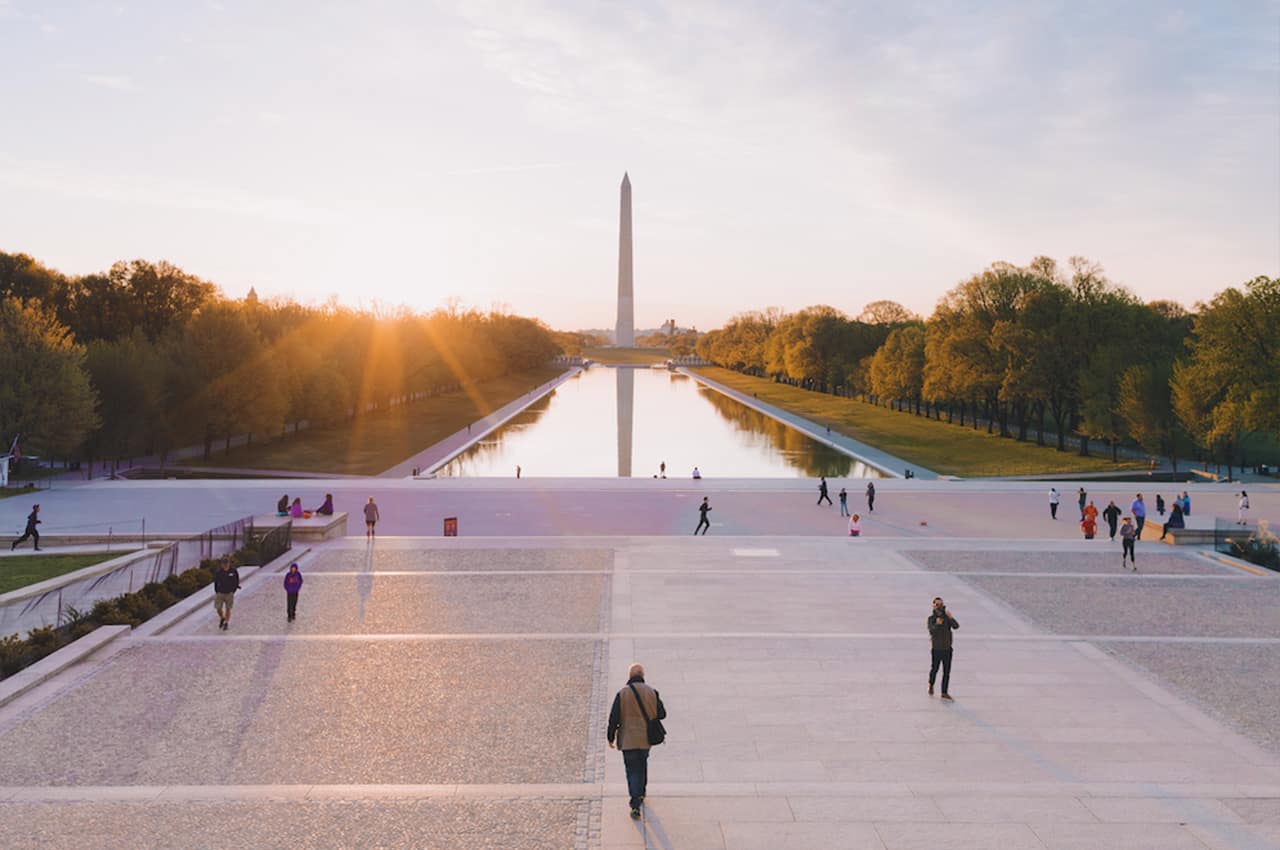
(656,731)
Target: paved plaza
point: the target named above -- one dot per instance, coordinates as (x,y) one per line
(452,694)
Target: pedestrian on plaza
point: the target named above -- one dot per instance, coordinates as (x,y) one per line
(1054,496)
(1186,503)
(1083,498)
(1128,534)
(1112,516)
(1175,519)
(844,502)
(1242,516)
(855,526)
(518,470)
(292,584)
(371,518)
(1089,525)
(822,492)
(1139,511)
(226,581)
(871,497)
(282,506)
(703,522)
(662,469)
(33,519)
(1159,504)
(637,710)
(941,624)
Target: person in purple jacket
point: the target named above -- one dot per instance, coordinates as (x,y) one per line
(292,584)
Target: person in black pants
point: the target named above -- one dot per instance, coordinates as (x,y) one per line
(871,496)
(822,492)
(33,519)
(703,522)
(1112,516)
(941,624)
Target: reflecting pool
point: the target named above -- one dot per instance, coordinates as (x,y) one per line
(625,422)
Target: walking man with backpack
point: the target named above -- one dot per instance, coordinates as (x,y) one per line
(635,726)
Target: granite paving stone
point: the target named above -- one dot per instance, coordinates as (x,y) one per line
(432,560)
(529,824)
(1108,562)
(1127,605)
(1235,682)
(251,712)
(420,604)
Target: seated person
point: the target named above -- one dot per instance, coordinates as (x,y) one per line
(327,508)
(1175,519)
(295,510)
(282,506)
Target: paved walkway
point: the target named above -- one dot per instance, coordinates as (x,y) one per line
(452,694)
(890,464)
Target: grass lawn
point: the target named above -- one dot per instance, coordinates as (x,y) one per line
(947,449)
(21,570)
(376,442)
(627,355)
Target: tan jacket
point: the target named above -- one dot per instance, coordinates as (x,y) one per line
(632,732)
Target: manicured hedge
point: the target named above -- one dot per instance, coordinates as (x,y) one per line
(129,609)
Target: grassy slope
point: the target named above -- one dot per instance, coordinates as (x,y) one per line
(948,449)
(374,443)
(627,355)
(21,570)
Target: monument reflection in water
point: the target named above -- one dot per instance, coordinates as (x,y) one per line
(624,422)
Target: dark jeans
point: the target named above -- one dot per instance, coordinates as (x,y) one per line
(702,523)
(1112,527)
(871,503)
(943,657)
(1141,521)
(30,532)
(1053,509)
(1127,550)
(292,604)
(824,496)
(844,508)
(637,764)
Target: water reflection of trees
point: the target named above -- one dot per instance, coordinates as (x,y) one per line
(477,460)
(798,450)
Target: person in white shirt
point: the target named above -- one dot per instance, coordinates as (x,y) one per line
(1242,517)
(1053,502)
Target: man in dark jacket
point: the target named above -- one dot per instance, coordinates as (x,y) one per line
(1112,516)
(33,519)
(941,623)
(226,581)
(633,707)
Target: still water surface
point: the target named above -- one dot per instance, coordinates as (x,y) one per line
(624,422)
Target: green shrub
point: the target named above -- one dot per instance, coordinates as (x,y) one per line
(13,650)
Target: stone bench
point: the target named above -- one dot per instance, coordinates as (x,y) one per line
(317,527)
(1199,531)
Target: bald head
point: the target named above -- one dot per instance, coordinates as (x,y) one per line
(635,670)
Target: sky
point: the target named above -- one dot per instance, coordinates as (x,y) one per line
(781,153)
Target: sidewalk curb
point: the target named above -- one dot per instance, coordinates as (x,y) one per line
(46,668)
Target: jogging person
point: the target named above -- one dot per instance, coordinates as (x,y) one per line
(33,519)
(703,522)
(1128,534)
(1112,515)
(371,518)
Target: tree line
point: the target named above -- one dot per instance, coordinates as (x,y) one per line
(146,357)
(1041,348)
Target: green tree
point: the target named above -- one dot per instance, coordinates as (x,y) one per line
(45,392)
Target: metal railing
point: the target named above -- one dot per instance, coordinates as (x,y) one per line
(22,609)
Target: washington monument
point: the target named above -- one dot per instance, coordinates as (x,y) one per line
(625,336)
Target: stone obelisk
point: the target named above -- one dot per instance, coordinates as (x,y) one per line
(625,335)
